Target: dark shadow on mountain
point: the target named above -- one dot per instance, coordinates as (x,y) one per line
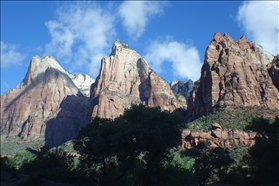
(88,111)
(143,98)
(181,112)
(66,124)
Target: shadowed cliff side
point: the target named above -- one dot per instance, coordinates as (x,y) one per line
(65,125)
(27,109)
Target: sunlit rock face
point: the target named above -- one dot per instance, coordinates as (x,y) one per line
(124,79)
(234,73)
(47,103)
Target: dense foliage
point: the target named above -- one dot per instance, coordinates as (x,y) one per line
(141,147)
(233,117)
(129,148)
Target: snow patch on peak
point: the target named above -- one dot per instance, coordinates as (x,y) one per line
(174,82)
(38,67)
(42,63)
(266,56)
(83,83)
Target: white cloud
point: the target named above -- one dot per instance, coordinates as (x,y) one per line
(184,59)
(10,55)
(81,35)
(259,20)
(135,15)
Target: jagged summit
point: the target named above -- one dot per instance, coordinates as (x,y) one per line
(126,78)
(234,73)
(39,68)
(118,46)
(48,102)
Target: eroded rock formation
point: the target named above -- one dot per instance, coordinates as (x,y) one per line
(218,137)
(234,73)
(47,104)
(126,78)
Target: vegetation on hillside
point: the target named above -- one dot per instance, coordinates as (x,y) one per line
(141,148)
(231,117)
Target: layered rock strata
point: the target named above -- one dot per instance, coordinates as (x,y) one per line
(218,137)
(124,79)
(234,73)
(47,104)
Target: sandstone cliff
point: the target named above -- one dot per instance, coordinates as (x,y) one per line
(218,137)
(46,104)
(234,73)
(53,104)
(126,78)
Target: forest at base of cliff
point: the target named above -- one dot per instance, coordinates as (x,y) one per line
(132,150)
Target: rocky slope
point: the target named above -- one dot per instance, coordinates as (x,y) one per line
(234,73)
(46,104)
(126,78)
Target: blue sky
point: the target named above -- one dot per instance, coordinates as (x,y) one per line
(171,36)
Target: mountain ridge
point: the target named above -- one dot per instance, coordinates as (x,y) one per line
(54,105)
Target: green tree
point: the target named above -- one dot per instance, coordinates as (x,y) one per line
(130,147)
(263,157)
(154,132)
(211,164)
(49,165)
(20,158)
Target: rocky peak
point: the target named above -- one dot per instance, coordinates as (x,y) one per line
(126,78)
(37,66)
(47,104)
(233,73)
(118,46)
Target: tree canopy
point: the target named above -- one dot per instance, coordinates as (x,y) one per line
(134,142)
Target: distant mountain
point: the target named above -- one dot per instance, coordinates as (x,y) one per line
(182,88)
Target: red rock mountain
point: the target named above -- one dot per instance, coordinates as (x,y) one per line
(126,78)
(53,105)
(235,73)
(47,104)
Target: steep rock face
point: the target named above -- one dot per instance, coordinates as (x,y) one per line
(233,73)
(182,88)
(42,104)
(273,69)
(126,78)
